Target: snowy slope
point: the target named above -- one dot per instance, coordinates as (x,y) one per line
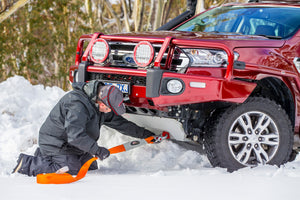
(158,171)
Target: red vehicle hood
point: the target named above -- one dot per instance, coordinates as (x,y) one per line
(231,40)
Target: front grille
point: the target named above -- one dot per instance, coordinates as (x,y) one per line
(133,80)
(121,55)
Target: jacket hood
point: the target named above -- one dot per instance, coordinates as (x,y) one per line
(90,88)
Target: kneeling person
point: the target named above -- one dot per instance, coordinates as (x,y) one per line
(69,135)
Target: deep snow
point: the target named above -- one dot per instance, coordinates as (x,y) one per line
(154,171)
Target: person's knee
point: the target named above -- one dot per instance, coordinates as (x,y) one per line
(72,161)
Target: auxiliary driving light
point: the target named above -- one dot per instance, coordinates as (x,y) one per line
(99,51)
(174,86)
(143,53)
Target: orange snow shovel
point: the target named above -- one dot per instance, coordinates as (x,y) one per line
(62,178)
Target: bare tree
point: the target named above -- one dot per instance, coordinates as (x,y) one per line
(159,13)
(114,14)
(88,7)
(150,16)
(138,14)
(9,9)
(126,16)
(200,6)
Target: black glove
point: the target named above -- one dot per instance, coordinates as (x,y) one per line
(102,153)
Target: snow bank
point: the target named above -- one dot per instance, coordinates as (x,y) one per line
(23,108)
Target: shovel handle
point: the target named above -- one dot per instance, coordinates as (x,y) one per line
(130,145)
(137,143)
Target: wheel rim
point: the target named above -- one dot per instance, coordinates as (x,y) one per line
(253,138)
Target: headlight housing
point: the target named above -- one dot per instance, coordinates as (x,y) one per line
(207,57)
(99,51)
(143,53)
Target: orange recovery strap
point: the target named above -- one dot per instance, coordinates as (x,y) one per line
(63,178)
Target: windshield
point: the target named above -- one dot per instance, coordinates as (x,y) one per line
(281,22)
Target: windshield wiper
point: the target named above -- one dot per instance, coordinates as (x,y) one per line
(225,33)
(272,37)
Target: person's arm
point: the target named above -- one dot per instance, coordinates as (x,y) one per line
(75,126)
(126,127)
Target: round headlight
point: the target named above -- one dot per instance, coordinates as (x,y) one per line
(174,86)
(143,54)
(99,51)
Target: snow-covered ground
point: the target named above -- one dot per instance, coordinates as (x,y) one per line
(154,171)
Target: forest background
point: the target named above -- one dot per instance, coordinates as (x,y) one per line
(39,37)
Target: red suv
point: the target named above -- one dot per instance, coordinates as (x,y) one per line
(229,76)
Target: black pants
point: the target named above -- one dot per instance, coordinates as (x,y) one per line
(38,164)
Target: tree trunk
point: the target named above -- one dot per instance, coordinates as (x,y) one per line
(26,49)
(88,8)
(149,22)
(137,14)
(159,11)
(3,6)
(140,15)
(99,14)
(113,13)
(126,17)
(200,6)
(12,9)
(55,47)
(167,8)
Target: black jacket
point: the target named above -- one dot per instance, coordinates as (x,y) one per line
(73,125)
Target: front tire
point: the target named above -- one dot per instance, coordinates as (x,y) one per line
(254,133)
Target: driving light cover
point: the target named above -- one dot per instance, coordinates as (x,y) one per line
(99,51)
(207,57)
(174,86)
(143,53)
